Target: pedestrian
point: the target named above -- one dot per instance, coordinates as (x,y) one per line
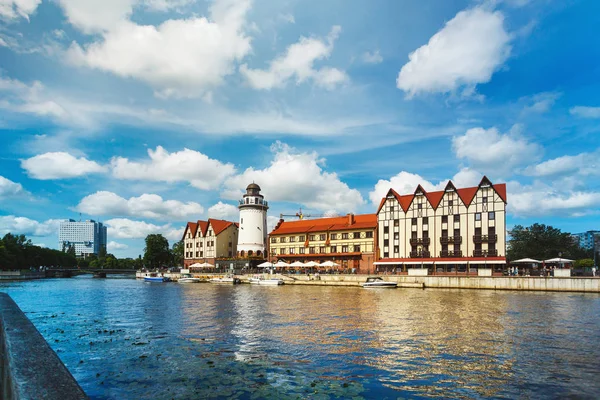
(594,270)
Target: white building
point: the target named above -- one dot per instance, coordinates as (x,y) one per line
(206,241)
(88,237)
(252,238)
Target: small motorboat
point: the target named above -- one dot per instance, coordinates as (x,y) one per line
(227,280)
(188,278)
(261,280)
(156,278)
(378,282)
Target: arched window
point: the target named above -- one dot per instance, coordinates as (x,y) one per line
(242,253)
(249,253)
(259,253)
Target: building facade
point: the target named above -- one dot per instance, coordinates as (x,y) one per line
(349,241)
(587,239)
(88,237)
(205,241)
(252,239)
(445,231)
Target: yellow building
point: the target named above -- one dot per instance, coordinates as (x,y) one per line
(205,241)
(348,241)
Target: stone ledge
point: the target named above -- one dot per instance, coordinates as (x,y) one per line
(29,368)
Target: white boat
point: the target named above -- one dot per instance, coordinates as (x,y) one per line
(228,280)
(261,280)
(188,278)
(378,282)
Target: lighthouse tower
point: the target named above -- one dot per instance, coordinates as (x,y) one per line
(252,237)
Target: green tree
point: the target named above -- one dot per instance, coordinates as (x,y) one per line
(542,242)
(584,263)
(156,252)
(71,251)
(177,253)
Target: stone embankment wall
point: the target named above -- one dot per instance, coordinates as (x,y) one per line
(29,369)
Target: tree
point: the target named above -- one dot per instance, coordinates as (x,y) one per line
(177,253)
(156,252)
(71,251)
(542,242)
(584,263)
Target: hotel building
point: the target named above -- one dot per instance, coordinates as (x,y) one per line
(88,237)
(348,241)
(205,241)
(453,230)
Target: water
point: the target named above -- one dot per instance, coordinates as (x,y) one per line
(126,339)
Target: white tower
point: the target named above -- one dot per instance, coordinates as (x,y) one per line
(252,237)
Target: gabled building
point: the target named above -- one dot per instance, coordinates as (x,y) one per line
(348,241)
(449,230)
(205,241)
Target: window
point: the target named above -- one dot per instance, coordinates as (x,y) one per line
(484,200)
(273,240)
(419,206)
(386,254)
(491,215)
(425,220)
(457,218)
(356,235)
(322,250)
(344,249)
(414,221)
(450,203)
(301,238)
(311,250)
(322,237)
(242,221)
(477,216)
(386,229)
(333,236)
(357,248)
(301,250)
(344,236)
(396,222)
(247,200)
(444,219)
(396,249)
(386,242)
(282,250)
(311,237)
(369,234)
(457,233)
(396,236)
(334,249)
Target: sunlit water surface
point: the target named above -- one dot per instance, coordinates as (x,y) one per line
(127,339)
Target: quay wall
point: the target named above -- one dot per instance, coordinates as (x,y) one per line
(29,369)
(20,275)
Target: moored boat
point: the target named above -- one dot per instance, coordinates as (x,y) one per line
(188,278)
(228,280)
(99,275)
(378,282)
(261,280)
(156,278)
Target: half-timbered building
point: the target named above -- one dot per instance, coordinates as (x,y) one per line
(205,241)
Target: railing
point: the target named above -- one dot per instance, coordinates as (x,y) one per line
(420,241)
(451,239)
(483,253)
(485,238)
(451,253)
(420,254)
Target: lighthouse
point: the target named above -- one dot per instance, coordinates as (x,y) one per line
(252,237)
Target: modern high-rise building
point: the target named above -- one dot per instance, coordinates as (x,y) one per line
(88,236)
(586,239)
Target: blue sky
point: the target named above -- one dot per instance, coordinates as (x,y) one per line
(145,114)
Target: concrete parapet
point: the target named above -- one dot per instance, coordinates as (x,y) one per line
(484,272)
(29,369)
(418,272)
(562,273)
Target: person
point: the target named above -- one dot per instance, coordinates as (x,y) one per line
(594,270)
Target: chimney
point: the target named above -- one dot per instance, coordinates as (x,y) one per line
(350,219)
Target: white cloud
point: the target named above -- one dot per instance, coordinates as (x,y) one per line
(298,61)
(297,178)
(29,99)
(289,18)
(145,206)
(10,189)
(59,165)
(180,58)
(465,52)
(495,153)
(11,9)
(112,245)
(584,164)
(224,211)
(406,183)
(123,228)
(585,112)
(542,102)
(540,199)
(93,16)
(186,165)
(372,58)
(28,227)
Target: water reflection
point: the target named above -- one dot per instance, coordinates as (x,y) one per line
(130,339)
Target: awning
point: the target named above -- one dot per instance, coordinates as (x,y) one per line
(526,260)
(559,260)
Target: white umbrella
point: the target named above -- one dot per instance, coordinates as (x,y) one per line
(526,260)
(329,264)
(312,264)
(206,265)
(266,264)
(558,260)
(195,265)
(281,264)
(297,264)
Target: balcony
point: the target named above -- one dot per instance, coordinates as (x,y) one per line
(484,253)
(485,238)
(451,239)
(420,254)
(422,242)
(451,253)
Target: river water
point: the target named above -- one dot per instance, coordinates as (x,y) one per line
(127,339)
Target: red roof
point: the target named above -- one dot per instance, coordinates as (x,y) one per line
(442,259)
(219,225)
(191,226)
(364,221)
(203,227)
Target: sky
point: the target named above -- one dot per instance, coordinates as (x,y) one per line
(145,114)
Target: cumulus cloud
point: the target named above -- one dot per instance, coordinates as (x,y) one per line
(298,178)
(29,99)
(11,9)
(28,227)
(179,58)
(464,53)
(540,199)
(405,183)
(492,152)
(145,206)
(224,211)
(59,165)
(583,164)
(112,246)
(186,165)
(10,189)
(123,228)
(298,62)
(585,112)
(372,58)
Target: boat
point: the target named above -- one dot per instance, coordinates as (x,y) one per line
(188,278)
(261,280)
(155,278)
(99,275)
(228,280)
(378,282)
